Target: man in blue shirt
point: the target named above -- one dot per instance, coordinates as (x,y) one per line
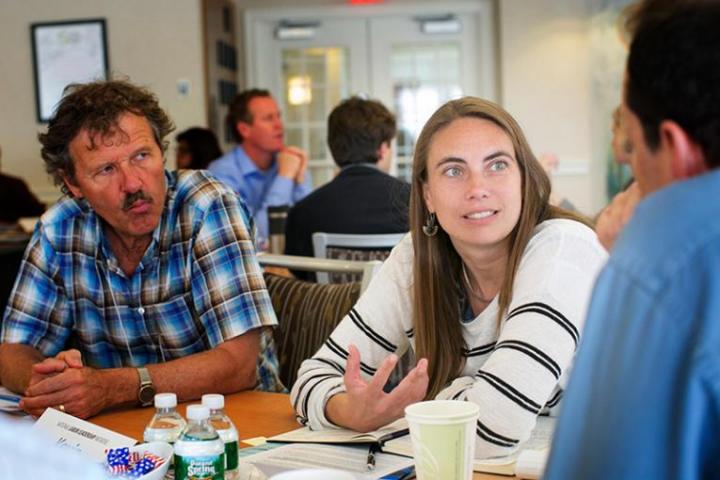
(644,397)
(261,168)
(141,280)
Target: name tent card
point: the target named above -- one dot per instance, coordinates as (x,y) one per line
(71,432)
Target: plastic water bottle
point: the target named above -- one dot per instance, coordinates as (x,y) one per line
(167,424)
(199,452)
(226,430)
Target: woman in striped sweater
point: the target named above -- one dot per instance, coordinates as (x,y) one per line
(489,290)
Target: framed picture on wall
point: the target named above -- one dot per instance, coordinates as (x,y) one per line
(64,53)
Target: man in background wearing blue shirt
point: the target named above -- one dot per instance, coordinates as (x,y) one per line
(261,168)
(644,397)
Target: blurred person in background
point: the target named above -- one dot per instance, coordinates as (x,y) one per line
(16,199)
(196,148)
(362,198)
(261,168)
(550,163)
(613,218)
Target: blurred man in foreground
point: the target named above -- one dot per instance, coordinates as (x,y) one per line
(644,396)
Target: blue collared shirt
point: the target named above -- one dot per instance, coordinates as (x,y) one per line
(259,188)
(644,395)
(198,284)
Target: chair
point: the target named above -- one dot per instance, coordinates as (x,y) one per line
(348,246)
(308,312)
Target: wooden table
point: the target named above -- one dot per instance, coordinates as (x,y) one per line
(255,414)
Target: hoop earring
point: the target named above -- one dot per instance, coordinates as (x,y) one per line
(430,228)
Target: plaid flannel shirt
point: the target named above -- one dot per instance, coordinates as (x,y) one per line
(198,284)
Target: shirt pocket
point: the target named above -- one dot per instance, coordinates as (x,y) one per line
(176,328)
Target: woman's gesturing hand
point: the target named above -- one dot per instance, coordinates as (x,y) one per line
(365,406)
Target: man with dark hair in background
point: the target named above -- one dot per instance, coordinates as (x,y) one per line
(196,148)
(644,397)
(261,168)
(142,280)
(362,198)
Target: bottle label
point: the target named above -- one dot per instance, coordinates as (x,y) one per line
(231,456)
(209,467)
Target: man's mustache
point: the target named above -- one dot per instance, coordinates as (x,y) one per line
(134,197)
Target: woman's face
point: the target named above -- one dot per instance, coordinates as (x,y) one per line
(474,184)
(183,158)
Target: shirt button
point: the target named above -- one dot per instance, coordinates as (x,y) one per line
(141,310)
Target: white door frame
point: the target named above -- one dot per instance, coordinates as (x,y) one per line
(487,64)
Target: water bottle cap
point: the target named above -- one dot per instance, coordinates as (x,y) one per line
(165,400)
(213,401)
(197,412)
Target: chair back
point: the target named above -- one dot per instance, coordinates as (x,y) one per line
(307,313)
(366,269)
(346,246)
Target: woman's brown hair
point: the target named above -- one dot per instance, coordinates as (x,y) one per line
(437,291)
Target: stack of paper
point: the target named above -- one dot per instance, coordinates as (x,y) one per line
(275,458)
(307,451)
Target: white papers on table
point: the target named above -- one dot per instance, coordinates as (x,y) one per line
(352,458)
(27,454)
(531,463)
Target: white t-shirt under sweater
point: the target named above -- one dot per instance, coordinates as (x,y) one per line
(513,373)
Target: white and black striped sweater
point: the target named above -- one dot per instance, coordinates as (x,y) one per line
(514,374)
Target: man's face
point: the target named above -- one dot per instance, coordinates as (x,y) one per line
(652,168)
(122,177)
(265,133)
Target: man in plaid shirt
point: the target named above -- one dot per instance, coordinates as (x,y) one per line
(142,280)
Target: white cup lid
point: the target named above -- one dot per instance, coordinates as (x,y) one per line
(165,400)
(442,412)
(213,401)
(197,412)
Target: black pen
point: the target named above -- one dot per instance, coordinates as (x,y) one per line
(393,436)
(372,450)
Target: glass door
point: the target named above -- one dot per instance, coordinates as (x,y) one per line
(308,65)
(413,58)
(314,81)
(422,62)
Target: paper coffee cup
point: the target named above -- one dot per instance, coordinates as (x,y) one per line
(443,438)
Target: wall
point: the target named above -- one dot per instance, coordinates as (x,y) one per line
(561,72)
(155,43)
(546,86)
